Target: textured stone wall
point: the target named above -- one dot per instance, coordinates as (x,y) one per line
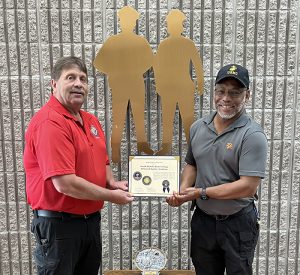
(263,35)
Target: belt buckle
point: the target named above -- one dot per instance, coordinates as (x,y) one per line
(221,217)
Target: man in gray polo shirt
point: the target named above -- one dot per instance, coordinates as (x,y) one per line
(225,163)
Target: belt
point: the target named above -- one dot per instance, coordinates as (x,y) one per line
(62,215)
(243,211)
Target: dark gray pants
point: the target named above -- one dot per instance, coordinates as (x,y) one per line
(67,246)
(220,244)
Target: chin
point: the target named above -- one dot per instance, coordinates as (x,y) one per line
(78,101)
(235,112)
(227,116)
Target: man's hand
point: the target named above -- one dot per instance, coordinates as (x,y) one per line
(120,197)
(173,201)
(187,194)
(122,185)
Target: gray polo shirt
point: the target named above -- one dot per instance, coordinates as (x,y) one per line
(240,150)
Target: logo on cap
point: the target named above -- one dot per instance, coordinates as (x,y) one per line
(232,70)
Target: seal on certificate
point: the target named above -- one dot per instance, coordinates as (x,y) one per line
(146,180)
(166,186)
(137,175)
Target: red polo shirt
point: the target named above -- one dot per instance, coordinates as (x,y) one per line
(57,144)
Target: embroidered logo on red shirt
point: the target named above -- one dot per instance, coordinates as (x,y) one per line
(94,131)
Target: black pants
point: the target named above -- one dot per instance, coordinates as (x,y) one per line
(67,246)
(220,244)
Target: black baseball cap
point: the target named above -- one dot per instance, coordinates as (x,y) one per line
(235,71)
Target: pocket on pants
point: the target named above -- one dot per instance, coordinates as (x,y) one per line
(44,257)
(43,260)
(248,242)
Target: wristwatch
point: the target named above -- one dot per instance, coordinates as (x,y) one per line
(203,195)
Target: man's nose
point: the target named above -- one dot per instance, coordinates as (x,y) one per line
(226,97)
(78,82)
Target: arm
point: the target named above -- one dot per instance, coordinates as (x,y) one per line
(77,187)
(147,55)
(156,71)
(196,60)
(244,187)
(188,177)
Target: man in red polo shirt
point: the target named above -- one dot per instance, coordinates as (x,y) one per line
(68,176)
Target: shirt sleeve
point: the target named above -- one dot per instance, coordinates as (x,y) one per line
(189,158)
(253,156)
(107,162)
(54,149)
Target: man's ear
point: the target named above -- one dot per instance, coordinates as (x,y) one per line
(247,95)
(53,84)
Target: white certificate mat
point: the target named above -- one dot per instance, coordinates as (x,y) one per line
(153,176)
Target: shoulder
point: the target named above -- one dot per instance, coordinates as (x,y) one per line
(40,116)
(111,39)
(108,44)
(254,135)
(90,118)
(47,115)
(134,37)
(204,120)
(197,125)
(253,127)
(189,42)
(46,123)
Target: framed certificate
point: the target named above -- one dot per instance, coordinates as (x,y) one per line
(153,176)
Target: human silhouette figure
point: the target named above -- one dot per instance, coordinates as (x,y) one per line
(124,58)
(173,79)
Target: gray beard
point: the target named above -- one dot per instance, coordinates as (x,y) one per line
(240,107)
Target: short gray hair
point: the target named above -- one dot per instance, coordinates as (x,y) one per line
(66,63)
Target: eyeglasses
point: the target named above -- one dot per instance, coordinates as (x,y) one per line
(232,93)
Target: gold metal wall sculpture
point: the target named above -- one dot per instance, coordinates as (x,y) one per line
(125,57)
(173,78)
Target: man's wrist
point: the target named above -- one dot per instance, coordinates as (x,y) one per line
(199,193)
(203,195)
(111,184)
